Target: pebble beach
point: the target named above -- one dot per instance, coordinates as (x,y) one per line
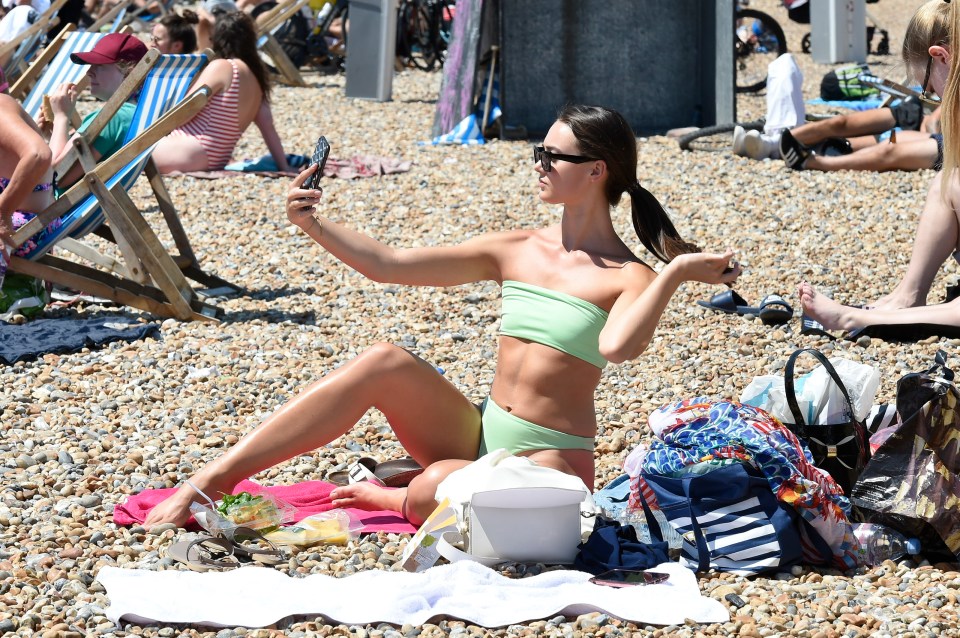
(83,431)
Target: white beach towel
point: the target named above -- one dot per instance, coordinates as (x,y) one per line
(259,596)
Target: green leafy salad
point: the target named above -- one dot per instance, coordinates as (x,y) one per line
(251,510)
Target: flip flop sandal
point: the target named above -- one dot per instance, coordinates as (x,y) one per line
(810,326)
(730,302)
(205,553)
(775,310)
(247,542)
(396,473)
(360,470)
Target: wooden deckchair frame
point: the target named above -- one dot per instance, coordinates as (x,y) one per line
(111,16)
(276,16)
(28,78)
(150,279)
(270,46)
(47,20)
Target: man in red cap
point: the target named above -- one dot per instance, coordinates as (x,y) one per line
(111,60)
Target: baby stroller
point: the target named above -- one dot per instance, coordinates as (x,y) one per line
(799,11)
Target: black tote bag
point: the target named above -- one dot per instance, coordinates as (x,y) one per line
(843,448)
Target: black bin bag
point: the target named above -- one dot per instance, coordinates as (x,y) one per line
(912,483)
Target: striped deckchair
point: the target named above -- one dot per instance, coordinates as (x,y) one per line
(52,68)
(81,151)
(145,276)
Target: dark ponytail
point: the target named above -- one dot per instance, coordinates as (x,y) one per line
(604,134)
(654,228)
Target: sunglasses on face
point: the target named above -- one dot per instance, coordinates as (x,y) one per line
(547,158)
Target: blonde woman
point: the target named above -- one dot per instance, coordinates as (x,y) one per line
(928,46)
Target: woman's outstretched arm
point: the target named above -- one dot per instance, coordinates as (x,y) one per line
(636,313)
(476,259)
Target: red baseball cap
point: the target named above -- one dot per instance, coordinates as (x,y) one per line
(111,48)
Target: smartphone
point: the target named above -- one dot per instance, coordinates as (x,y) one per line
(320,155)
(629,578)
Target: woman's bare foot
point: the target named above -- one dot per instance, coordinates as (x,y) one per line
(367,496)
(831,314)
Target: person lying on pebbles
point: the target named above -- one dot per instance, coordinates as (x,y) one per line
(574,298)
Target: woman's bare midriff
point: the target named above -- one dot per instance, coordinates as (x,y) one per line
(555,390)
(545,386)
(36,201)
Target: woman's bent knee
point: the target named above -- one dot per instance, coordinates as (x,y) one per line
(388,357)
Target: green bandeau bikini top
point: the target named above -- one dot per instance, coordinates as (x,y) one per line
(554,319)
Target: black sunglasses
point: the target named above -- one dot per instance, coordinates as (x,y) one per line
(547,158)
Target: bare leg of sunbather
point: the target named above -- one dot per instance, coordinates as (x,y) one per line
(904,156)
(431,418)
(938,236)
(846,125)
(835,316)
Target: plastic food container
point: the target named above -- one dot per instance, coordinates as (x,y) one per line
(334,527)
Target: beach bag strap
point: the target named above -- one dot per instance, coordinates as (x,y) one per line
(792,393)
(446,546)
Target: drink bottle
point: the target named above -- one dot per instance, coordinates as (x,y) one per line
(879,543)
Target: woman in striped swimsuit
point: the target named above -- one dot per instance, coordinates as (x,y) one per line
(206,142)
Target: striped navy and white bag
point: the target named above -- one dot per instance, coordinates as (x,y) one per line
(729,518)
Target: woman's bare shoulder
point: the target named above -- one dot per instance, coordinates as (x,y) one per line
(636,275)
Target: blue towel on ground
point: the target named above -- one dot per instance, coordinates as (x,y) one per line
(267,164)
(60,336)
(613,546)
(855,105)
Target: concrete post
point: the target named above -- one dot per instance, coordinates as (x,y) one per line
(371,47)
(838,31)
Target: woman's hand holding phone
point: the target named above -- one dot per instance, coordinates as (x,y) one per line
(301,200)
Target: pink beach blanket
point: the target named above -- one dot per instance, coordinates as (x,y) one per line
(309,497)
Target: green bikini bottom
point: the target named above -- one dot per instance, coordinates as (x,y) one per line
(501,429)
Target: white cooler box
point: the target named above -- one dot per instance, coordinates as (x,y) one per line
(525,524)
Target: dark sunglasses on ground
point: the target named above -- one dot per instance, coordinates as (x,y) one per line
(547,158)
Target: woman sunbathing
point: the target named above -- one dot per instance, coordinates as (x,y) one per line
(927,54)
(206,142)
(574,297)
(26,179)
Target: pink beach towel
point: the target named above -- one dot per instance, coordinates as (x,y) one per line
(309,497)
